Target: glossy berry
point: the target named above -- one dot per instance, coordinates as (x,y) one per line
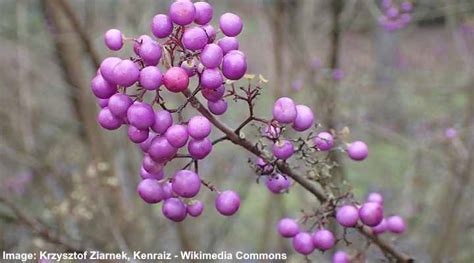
(284,110)
(150,191)
(150,52)
(146,175)
(136,135)
(119,104)
(101,88)
(144,146)
(347,216)
(324,141)
(186,183)
(396,224)
(182,12)
(150,78)
(211,56)
(194,38)
(210,32)
(174,209)
(282,149)
(227,202)
(102,102)
(151,166)
(304,118)
(303,243)
(277,183)
(218,108)
(139,42)
(213,94)
(230,24)
(177,135)
(375,197)
(323,239)
(195,208)
(340,257)
(234,65)
(126,73)
(161,26)
(163,120)
(107,120)
(113,39)
(161,150)
(106,68)
(199,127)
(371,214)
(211,78)
(141,115)
(228,43)
(380,228)
(176,79)
(288,227)
(358,151)
(199,149)
(204,13)
(167,190)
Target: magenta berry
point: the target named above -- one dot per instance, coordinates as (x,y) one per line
(163,120)
(380,228)
(228,43)
(323,239)
(211,56)
(396,224)
(139,42)
(113,39)
(211,78)
(234,65)
(150,191)
(126,73)
(227,203)
(167,190)
(340,257)
(136,135)
(182,12)
(101,88)
(174,209)
(151,166)
(161,150)
(277,183)
(176,79)
(324,141)
(284,110)
(283,149)
(371,214)
(303,243)
(199,127)
(347,216)
(358,151)
(107,120)
(288,227)
(186,183)
(375,197)
(119,104)
(210,33)
(218,108)
(146,175)
(106,68)
(161,26)
(213,94)
(102,102)
(150,78)
(304,118)
(150,52)
(195,38)
(230,24)
(195,208)
(141,115)
(177,135)
(266,167)
(145,145)
(204,13)
(199,149)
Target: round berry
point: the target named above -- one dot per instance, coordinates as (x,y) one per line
(218,108)
(210,33)
(102,102)
(167,190)
(203,13)
(375,197)
(303,243)
(234,65)
(144,146)
(119,104)
(174,209)
(141,115)
(139,42)
(150,52)
(101,88)
(304,118)
(324,141)
(161,26)
(182,12)
(371,214)
(146,175)
(347,216)
(151,166)
(396,224)
(358,151)
(227,202)
(150,78)
(161,150)
(186,183)
(230,24)
(150,191)
(113,39)
(126,73)
(194,38)
(106,68)
(277,183)
(195,208)
(211,56)
(228,43)
(323,239)
(211,78)
(283,149)
(213,94)
(284,110)
(136,135)
(380,228)
(340,257)
(199,149)
(163,120)
(177,135)
(199,127)
(108,120)
(288,227)
(176,79)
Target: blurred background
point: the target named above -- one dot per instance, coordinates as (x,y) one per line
(408,92)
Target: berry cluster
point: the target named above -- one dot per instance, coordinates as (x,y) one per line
(395,17)
(370,214)
(122,84)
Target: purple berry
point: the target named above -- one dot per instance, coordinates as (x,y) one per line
(150,78)
(406,6)
(186,183)
(288,227)
(358,151)
(177,135)
(396,224)
(126,73)
(211,56)
(195,208)
(324,141)
(163,120)
(303,243)
(141,115)
(113,39)
(174,209)
(151,166)
(371,214)
(380,228)
(199,127)
(161,26)
(304,118)
(144,146)
(119,104)
(101,88)
(146,175)
(284,110)
(136,135)
(150,191)
(266,167)
(277,183)
(230,24)
(211,78)
(194,38)
(182,12)
(213,94)
(347,216)
(107,68)
(139,42)
(340,257)
(203,13)
(199,149)
(161,150)
(283,149)
(210,32)
(323,239)
(227,203)
(102,102)
(176,79)
(218,108)
(234,65)
(167,190)
(228,43)
(375,197)
(107,120)
(190,67)
(150,52)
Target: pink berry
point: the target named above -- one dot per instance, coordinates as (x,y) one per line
(284,110)
(288,227)
(195,208)
(113,39)
(227,203)
(324,141)
(303,243)
(199,127)
(347,216)
(177,135)
(150,191)
(213,94)
(283,149)
(230,24)
(304,118)
(375,197)
(199,149)
(358,151)
(182,12)
(371,214)
(218,108)
(174,209)
(380,228)
(176,79)
(396,224)
(161,26)
(204,13)
(186,183)
(323,239)
(340,257)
